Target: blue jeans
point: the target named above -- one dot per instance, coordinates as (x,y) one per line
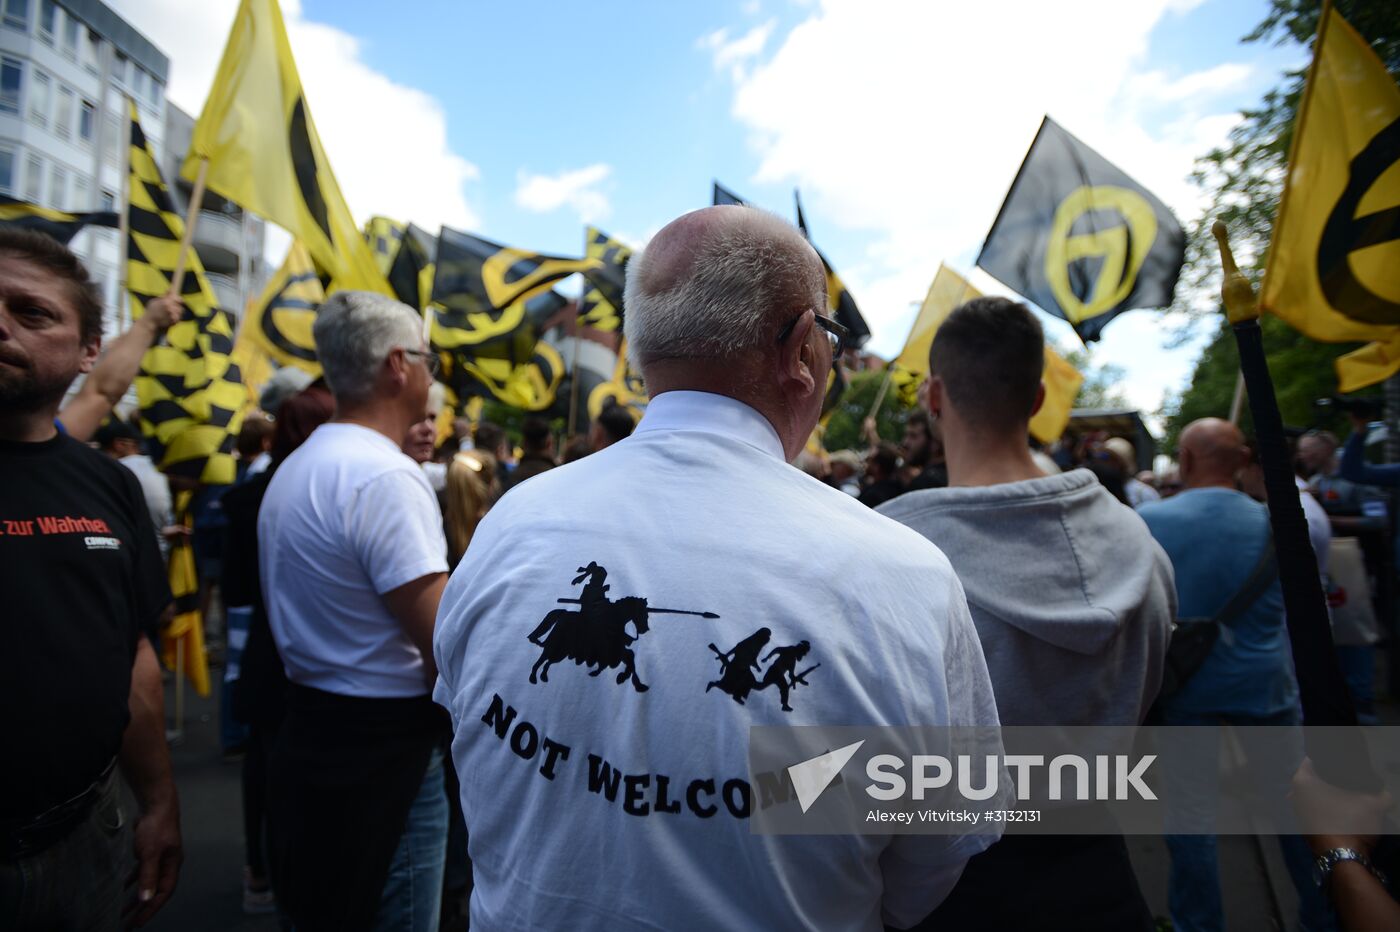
(1358,663)
(1194,897)
(412,895)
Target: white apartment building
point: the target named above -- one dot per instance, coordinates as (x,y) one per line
(66,69)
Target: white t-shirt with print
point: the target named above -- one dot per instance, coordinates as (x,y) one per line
(591,803)
(347,518)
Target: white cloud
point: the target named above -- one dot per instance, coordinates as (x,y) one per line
(908,120)
(577,189)
(735,55)
(387,142)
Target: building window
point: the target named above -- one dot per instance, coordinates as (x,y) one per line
(58,187)
(48,20)
(80,193)
(63,116)
(40,90)
(11,74)
(70,36)
(155,91)
(90,41)
(17,14)
(109,201)
(33,178)
(119,68)
(87,121)
(7,171)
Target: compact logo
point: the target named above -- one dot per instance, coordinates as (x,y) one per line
(1373,186)
(1122,248)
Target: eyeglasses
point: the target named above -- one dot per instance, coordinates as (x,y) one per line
(836,333)
(430,360)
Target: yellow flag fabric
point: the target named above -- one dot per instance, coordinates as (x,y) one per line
(254,365)
(601,304)
(182,640)
(279,322)
(264,152)
(625,387)
(910,367)
(384,237)
(1062,383)
(189,389)
(1334,264)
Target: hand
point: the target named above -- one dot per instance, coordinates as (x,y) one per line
(158,858)
(869,430)
(1358,423)
(173,532)
(163,313)
(1320,805)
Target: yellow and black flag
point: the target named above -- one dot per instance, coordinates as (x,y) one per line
(411,273)
(59,224)
(1334,264)
(1081,239)
(264,153)
(601,305)
(189,389)
(383,237)
(280,321)
(625,388)
(489,304)
(485,290)
(838,296)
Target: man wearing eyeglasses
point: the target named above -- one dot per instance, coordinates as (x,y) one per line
(606,732)
(353,563)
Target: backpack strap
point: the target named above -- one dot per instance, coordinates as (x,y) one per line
(1263,575)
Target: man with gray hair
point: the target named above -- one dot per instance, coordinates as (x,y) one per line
(612,791)
(353,563)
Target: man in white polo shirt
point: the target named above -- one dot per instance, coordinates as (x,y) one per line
(353,563)
(619,623)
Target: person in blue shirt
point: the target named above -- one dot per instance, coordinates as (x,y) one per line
(1215,536)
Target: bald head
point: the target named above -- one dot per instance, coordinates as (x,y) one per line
(717,283)
(1211,451)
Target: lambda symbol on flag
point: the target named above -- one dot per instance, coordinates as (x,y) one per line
(1346,233)
(1123,249)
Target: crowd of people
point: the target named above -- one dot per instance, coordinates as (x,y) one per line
(465,673)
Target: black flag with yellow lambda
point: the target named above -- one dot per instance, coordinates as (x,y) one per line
(601,305)
(59,224)
(1334,264)
(189,389)
(1081,239)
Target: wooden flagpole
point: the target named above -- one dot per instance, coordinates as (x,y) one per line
(177,279)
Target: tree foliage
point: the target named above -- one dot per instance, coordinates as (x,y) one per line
(1102,384)
(843,429)
(1243,181)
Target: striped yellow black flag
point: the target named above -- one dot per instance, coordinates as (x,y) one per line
(189,389)
(1334,263)
(279,322)
(383,236)
(601,306)
(59,224)
(182,640)
(411,273)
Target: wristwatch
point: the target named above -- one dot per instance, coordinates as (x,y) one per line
(1322,869)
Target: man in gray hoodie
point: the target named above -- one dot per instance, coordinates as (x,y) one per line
(1072,599)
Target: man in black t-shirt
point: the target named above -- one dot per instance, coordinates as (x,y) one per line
(83,585)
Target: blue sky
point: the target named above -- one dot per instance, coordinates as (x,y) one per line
(903,122)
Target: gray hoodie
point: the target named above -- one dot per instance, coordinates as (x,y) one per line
(1072,598)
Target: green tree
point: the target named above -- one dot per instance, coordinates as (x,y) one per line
(1302,372)
(1243,179)
(843,429)
(1102,387)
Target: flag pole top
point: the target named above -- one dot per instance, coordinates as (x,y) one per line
(1236,292)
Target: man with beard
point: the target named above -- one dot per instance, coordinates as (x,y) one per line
(84,584)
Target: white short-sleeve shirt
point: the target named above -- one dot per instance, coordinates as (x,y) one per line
(594,803)
(347,518)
